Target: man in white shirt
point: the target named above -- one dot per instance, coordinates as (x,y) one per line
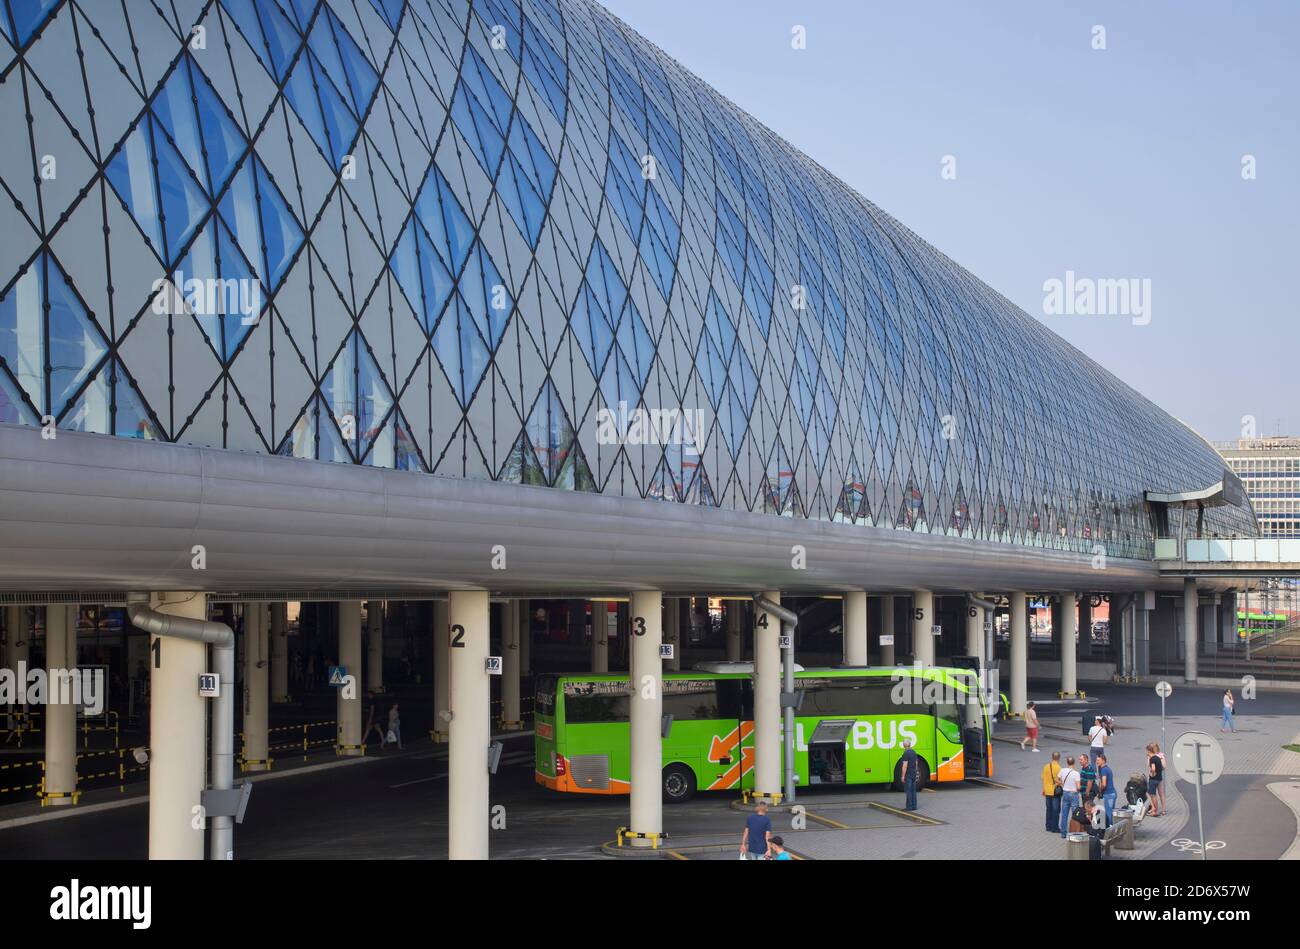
(1098,737)
(1069,779)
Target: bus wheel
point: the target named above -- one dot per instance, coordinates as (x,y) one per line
(679,784)
(922,774)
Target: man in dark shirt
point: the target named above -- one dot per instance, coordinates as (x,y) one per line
(909,773)
(1106,788)
(755,842)
(1087,778)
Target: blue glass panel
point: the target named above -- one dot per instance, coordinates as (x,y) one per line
(476,125)
(183,202)
(594,333)
(444,219)
(374,396)
(339,389)
(22,332)
(13,408)
(340,124)
(76,345)
(300,93)
(131,414)
(390,10)
(29,16)
(483,289)
(130,172)
(522,201)
(175,111)
(342,60)
(482,84)
(280,230)
(221,136)
(91,412)
(238,316)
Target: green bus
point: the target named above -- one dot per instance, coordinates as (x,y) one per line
(849,728)
(1253,623)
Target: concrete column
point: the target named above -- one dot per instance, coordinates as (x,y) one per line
(1085,623)
(767,702)
(1019,695)
(599,636)
(855,628)
(441,670)
(60,708)
(735,630)
(646,714)
(1069,628)
(922,620)
(672,626)
(1190,624)
(177,734)
(510,716)
(348,741)
(525,637)
(255,755)
(375,646)
(975,631)
(279,643)
(471,725)
(887,628)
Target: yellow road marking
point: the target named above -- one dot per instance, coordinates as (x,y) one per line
(676,856)
(909,815)
(826,820)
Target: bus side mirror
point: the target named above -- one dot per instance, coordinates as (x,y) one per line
(665,726)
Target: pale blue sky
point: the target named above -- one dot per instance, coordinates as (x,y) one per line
(1117,163)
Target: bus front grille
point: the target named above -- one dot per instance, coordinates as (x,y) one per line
(590,771)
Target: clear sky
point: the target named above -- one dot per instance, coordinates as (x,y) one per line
(1117,163)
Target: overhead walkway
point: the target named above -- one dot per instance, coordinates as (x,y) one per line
(1228,557)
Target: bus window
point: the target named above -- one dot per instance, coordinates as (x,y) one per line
(691,700)
(585,709)
(544,698)
(736,699)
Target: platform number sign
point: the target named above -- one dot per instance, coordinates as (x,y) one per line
(209,685)
(638,626)
(785,642)
(665,650)
(457,636)
(493,665)
(936,630)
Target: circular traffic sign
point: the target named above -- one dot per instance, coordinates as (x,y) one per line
(1164,689)
(1185,758)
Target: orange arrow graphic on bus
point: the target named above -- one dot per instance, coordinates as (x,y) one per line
(732,775)
(722,745)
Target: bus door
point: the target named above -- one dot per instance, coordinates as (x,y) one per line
(828,751)
(728,759)
(974,738)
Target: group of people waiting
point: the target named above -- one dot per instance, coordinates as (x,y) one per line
(1081,796)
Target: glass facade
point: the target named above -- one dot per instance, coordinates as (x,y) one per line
(461,238)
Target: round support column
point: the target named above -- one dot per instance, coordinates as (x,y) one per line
(349,740)
(525,637)
(767,703)
(255,756)
(887,626)
(375,646)
(735,630)
(470,727)
(177,734)
(646,714)
(975,631)
(1068,644)
(599,636)
(922,620)
(441,671)
(1019,654)
(1190,629)
(855,628)
(279,643)
(510,717)
(62,691)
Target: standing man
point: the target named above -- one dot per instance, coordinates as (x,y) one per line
(909,762)
(1098,737)
(1052,792)
(1069,794)
(1106,785)
(1087,778)
(756,841)
(1031,728)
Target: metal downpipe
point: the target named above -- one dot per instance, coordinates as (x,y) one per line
(222,639)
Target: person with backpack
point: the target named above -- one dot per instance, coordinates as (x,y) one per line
(1052,792)
(1070,797)
(1155,778)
